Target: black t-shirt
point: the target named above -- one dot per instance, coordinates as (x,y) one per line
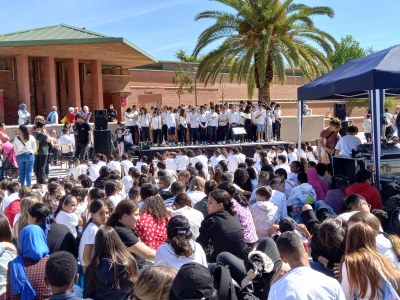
(129,238)
(83,130)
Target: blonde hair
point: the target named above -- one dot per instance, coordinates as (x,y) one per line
(335,122)
(155,283)
(197,184)
(25,204)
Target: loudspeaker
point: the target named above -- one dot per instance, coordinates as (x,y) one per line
(144,145)
(340,111)
(100,119)
(102,141)
(343,130)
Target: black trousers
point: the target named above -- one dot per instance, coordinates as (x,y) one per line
(222,133)
(80,151)
(278,129)
(145,134)
(194,135)
(164,132)
(212,130)
(203,133)
(247,127)
(157,138)
(181,134)
(40,167)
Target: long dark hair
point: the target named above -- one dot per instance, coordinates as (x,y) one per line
(25,132)
(64,200)
(123,207)
(230,189)
(5,229)
(108,245)
(155,206)
(179,235)
(242,179)
(221,196)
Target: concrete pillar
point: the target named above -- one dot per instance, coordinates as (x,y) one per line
(49,83)
(97,85)
(24,93)
(74,92)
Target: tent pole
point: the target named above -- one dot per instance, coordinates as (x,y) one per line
(377,97)
(299,126)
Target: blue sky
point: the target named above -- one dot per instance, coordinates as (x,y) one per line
(161,27)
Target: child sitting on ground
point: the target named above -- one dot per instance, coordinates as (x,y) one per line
(115,164)
(77,169)
(141,162)
(61,274)
(65,214)
(264,212)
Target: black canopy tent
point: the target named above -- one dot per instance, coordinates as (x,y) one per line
(372,76)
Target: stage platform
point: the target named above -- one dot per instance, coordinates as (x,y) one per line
(248,149)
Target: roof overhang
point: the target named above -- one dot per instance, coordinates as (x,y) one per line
(110,50)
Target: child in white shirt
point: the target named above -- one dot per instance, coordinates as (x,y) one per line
(268,124)
(126,164)
(141,162)
(65,214)
(77,170)
(114,164)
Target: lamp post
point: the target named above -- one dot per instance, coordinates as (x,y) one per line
(195,85)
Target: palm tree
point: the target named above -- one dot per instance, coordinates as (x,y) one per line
(260,39)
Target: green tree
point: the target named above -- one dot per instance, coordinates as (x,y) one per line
(261,37)
(183,79)
(348,49)
(183,57)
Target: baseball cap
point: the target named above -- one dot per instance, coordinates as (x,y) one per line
(193,281)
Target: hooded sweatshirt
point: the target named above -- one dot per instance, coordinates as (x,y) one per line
(265,214)
(300,195)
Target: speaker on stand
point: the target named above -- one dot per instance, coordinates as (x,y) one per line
(102,141)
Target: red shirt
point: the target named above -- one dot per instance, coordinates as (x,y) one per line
(150,232)
(71,118)
(12,210)
(370,193)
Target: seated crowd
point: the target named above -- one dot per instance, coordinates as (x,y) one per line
(184,225)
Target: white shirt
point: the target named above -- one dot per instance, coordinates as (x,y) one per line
(233,117)
(277,113)
(194,216)
(213,119)
(139,165)
(170,119)
(204,162)
(114,165)
(156,122)
(115,199)
(292,157)
(261,117)
(8,200)
(67,139)
(214,160)
(166,256)
(283,166)
(194,120)
(196,196)
(182,161)
(279,199)
(87,238)
(71,220)
(127,164)
(78,170)
(129,119)
(346,144)
(233,162)
(303,283)
(128,183)
(144,120)
(367,124)
(94,170)
(29,147)
(241,158)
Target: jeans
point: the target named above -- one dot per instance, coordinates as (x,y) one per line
(25,167)
(368,136)
(157,138)
(145,134)
(40,166)
(194,134)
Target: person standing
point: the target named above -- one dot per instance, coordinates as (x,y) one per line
(23,115)
(25,146)
(86,114)
(233,118)
(278,121)
(156,124)
(182,126)
(213,125)
(247,122)
(82,130)
(203,118)
(144,124)
(52,117)
(194,126)
(260,120)
(112,114)
(223,126)
(367,125)
(42,152)
(327,141)
(273,104)
(71,115)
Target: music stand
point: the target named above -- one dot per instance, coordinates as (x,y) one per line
(239,131)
